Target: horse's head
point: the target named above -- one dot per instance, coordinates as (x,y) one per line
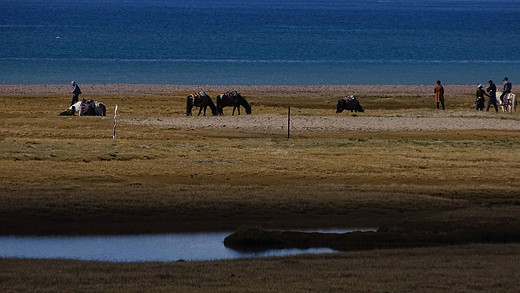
(339,106)
(244,103)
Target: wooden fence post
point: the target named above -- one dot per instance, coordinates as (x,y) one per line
(115,122)
(289,122)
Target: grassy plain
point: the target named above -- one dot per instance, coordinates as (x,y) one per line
(65,175)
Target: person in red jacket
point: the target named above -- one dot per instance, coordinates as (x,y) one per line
(439,94)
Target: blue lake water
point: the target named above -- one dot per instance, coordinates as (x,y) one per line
(138,248)
(134,248)
(259,41)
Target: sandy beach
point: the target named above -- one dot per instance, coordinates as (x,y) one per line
(128,89)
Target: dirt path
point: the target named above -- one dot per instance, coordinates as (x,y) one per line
(277,124)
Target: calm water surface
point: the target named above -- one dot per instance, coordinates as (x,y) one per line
(137,248)
(259,41)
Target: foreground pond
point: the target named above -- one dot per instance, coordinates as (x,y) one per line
(136,248)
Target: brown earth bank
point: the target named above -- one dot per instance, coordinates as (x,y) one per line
(254,239)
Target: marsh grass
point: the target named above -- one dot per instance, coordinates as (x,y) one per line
(468,268)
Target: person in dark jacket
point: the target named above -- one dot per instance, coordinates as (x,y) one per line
(75,93)
(492,94)
(480,98)
(507,88)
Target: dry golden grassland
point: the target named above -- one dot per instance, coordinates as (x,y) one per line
(67,175)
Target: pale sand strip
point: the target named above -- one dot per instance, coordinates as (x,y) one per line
(140,89)
(277,124)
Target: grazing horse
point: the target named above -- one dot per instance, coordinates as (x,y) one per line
(349,103)
(232,99)
(201,100)
(508,104)
(86,108)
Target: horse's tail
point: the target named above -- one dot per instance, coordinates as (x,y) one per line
(102,109)
(212,107)
(219,105)
(189,105)
(244,103)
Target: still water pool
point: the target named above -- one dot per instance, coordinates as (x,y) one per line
(136,248)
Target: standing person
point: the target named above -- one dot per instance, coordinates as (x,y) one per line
(507,88)
(75,93)
(439,94)
(492,90)
(480,98)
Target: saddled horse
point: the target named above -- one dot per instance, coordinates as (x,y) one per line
(349,103)
(508,102)
(232,99)
(201,100)
(86,108)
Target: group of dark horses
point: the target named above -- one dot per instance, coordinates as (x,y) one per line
(203,101)
(233,98)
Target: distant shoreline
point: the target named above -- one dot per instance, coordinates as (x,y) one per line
(133,89)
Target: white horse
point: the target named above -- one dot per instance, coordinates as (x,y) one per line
(509,102)
(84,108)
